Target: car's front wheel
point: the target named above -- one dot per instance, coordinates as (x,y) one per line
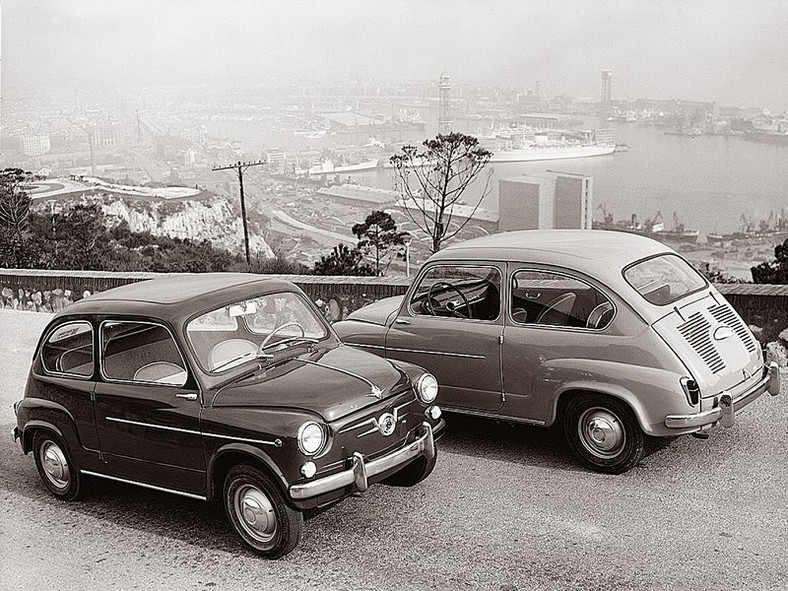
(414,472)
(55,466)
(258,512)
(603,433)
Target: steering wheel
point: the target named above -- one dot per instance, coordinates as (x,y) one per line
(432,304)
(276,330)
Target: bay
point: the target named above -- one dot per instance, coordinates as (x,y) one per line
(712,182)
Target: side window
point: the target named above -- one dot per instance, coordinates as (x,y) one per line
(69,350)
(459,292)
(544,298)
(141,352)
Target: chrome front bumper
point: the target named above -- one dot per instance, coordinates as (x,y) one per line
(727,406)
(361,470)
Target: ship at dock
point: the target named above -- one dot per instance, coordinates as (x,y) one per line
(772,230)
(327,167)
(526,145)
(652,227)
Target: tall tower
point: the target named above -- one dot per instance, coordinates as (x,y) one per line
(607,91)
(444,105)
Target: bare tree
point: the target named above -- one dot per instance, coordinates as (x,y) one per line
(430,182)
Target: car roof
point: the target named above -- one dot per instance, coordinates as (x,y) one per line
(579,249)
(165,297)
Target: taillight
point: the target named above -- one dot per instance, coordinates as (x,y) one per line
(691,390)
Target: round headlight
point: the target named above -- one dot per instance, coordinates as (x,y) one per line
(427,388)
(311,438)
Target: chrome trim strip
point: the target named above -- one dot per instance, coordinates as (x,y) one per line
(492,415)
(376,392)
(143,485)
(465,355)
(361,469)
(365,345)
(275,443)
(713,415)
(374,421)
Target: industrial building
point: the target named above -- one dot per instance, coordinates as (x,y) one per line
(544,201)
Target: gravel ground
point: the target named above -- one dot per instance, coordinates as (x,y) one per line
(506,509)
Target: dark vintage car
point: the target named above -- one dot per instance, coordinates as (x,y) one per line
(224,386)
(614,335)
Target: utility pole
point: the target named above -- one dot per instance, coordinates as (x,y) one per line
(240,167)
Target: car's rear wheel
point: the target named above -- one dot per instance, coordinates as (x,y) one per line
(603,433)
(414,472)
(258,512)
(55,466)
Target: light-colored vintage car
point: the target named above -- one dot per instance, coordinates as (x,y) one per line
(614,335)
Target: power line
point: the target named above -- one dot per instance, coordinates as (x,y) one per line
(240,167)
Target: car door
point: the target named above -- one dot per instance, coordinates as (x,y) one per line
(147,408)
(451,324)
(551,316)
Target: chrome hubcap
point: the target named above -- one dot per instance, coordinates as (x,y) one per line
(55,465)
(256,513)
(601,432)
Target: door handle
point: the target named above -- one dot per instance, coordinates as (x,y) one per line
(401,321)
(189,396)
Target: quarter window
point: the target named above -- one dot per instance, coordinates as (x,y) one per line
(69,350)
(460,292)
(141,352)
(553,299)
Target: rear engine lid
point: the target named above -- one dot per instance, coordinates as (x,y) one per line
(713,342)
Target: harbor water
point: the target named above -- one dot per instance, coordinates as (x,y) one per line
(710,182)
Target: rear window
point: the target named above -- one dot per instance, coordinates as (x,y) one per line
(664,279)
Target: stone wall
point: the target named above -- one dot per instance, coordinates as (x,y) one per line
(51,291)
(762,306)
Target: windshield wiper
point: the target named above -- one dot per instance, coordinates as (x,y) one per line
(236,360)
(289,340)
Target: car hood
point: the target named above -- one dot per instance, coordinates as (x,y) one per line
(380,312)
(331,382)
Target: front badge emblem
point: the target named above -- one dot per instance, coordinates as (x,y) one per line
(386,424)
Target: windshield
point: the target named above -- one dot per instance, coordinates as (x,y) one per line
(664,279)
(248,329)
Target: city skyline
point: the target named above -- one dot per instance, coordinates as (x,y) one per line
(731,53)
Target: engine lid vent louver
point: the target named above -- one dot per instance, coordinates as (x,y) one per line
(724,314)
(697,331)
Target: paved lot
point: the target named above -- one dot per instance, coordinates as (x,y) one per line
(506,509)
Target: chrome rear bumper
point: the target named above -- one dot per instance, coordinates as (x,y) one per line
(727,406)
(361,470)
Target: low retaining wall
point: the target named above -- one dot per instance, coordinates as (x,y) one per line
(51,291)
(764,306)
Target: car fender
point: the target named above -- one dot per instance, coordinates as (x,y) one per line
(44,414)
(651,393)
(358,333)
(248,450)
(31,427)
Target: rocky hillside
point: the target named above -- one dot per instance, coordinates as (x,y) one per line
(212,218)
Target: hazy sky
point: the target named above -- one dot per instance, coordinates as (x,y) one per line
(732,52)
